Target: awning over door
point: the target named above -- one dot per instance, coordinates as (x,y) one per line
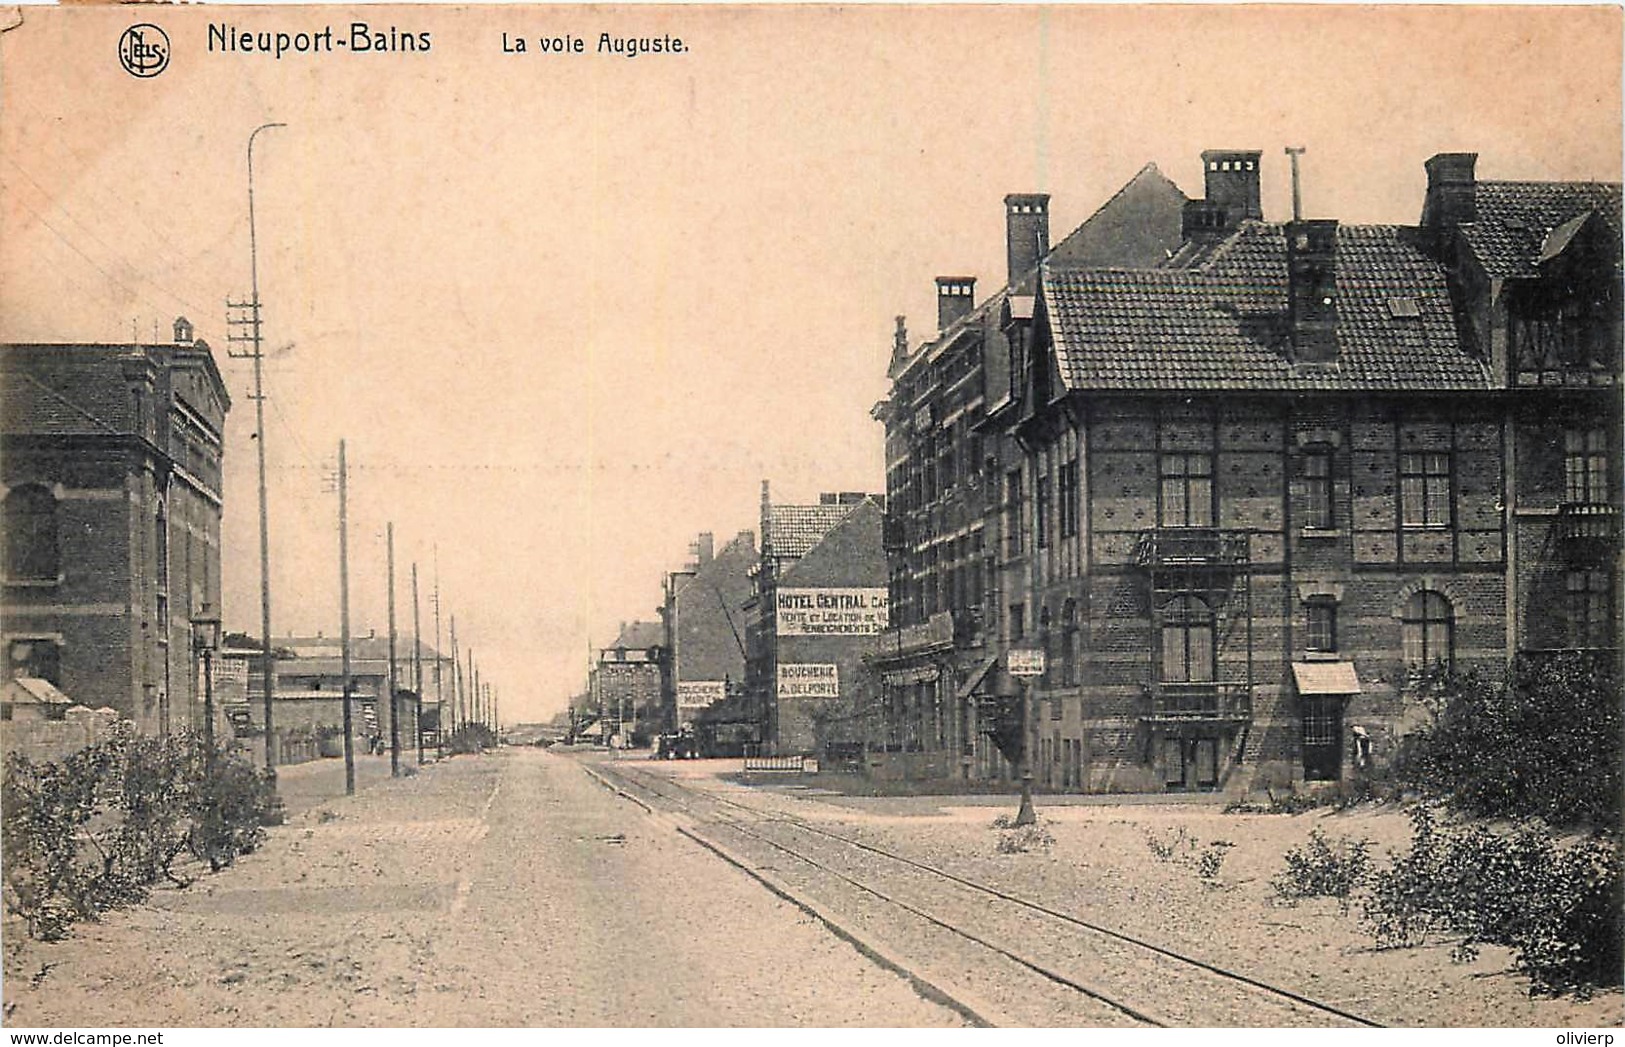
(1326,678)
(974,680)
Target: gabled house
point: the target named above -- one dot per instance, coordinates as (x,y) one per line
(1259,486)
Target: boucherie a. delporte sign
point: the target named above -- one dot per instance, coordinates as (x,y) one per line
(1025,661)
(831,612)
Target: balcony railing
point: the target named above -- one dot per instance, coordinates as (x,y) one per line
(1588,522)
(1191,547)
(1200,703)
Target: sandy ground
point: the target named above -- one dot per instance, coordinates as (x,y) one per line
(504,890)
(1101,867)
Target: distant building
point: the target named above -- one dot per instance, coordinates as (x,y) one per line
(625,684)
(819,601)
(110,490)
(704,620)
(310,687)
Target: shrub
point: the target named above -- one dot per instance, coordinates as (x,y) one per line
(1560,909)
(95,830)
(1175,844)
(1026,838)
(1545,742)
(1212,858)
(1324,870)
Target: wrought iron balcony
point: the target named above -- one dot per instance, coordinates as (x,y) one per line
(1588,523)
(1191,547)
(1212,702)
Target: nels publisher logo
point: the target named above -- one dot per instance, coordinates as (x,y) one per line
(143,50)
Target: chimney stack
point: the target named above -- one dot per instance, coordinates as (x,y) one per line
(1452,190)
(1311,262)
(956,297)
(1230,178)
(1026,217)
(899,343)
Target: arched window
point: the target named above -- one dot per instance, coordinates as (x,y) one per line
(1428,624)
(1187,641)
(31,551)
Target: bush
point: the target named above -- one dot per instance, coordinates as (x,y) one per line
(1560,909)
(1543,743)
(1324,870)
(1171,846)
(1025,839)
(97,829)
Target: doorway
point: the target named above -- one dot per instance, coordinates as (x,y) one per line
(1322,737)
(1191,763)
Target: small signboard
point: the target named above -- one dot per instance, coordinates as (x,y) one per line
(1025,661)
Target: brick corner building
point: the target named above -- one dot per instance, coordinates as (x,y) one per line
(111,485)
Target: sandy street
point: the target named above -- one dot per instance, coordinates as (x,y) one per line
(500,890)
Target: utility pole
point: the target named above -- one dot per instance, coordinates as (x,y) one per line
(456,676)
(394,703)
(251,320)
(344,622)
(1295,151)
(439,662)
(417,665)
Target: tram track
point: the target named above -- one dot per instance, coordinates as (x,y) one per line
(1125,979)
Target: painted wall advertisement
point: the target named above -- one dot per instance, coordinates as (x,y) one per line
(693,693)
(831,612)
(808,680)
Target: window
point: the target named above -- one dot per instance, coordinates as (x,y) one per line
(1317,487)
(1069,644)
(1018,621)
(1427,625)
(31,551)
(1590,610)
(1585,466)
(1068,494)
(1321,635)
(1041,512)
(1187,641)
(1187,490)
(1013,521)
(1424,489)
(39,659)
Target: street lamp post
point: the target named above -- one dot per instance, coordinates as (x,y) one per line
(205,641)
(1025,664)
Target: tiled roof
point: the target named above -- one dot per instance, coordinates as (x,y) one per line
(639,635)
(1514,219)
(1221,323)
(793,529)
(65,390)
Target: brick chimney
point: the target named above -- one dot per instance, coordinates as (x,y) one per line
(1230,177)
(703,548)
(1026,221)
(956,297)
(1452,190)
(1311,264)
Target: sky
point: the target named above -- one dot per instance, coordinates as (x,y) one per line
(569,310)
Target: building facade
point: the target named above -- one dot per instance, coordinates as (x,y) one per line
(110,489)
(704,620)
(818,602)
(309,695)
(1251,490)
(946,479)
(625,686)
